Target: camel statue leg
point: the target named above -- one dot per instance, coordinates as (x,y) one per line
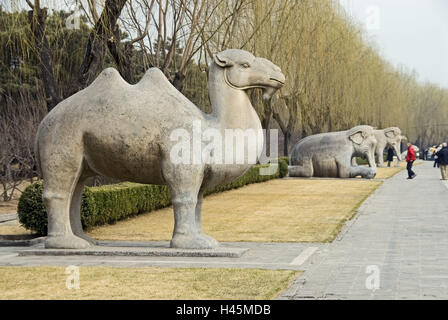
(60,180)
(75,211)
(185,183)
(198,214)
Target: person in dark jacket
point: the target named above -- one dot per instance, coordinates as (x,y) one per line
(436,162)
(442,158)
(390,156)
(410,158)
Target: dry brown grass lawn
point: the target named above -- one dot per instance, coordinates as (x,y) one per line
(143,283)
(7,229)
(11,206)
(8,206)
(288,210)
(248,215)
(386,173)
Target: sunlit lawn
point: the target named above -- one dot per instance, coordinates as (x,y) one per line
(143,283)
(282,210)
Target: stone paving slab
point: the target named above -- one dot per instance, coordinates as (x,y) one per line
(285,256)
(11,241)
(139,250)
(395,248)
(8,217)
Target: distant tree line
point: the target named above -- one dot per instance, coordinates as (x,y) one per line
(336,78)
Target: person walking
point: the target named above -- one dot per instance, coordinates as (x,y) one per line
(442,158)
(434,155)
(390,156)
(410,158)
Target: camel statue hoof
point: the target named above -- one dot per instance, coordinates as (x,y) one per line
(197,241)
(66,242)
(213,242)
(90,240)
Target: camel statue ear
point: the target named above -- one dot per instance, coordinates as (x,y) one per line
(221,61)
(357,137)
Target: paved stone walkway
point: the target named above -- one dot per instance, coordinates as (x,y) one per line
(395,248)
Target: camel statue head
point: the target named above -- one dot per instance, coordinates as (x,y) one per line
(242,70)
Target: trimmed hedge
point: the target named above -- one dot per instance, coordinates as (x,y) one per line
(285,159)
(111,203)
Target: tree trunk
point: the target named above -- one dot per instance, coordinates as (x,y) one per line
(266,124)
(96,46)
(178,81)
(287,136)
(122,56)
(37,18)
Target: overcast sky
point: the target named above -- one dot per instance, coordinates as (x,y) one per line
(413,33)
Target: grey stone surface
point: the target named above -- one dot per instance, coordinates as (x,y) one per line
(407,240)
(11,241)
(259,255)
(141,250)
(8,217)
(388,138)
(330,154)
(124,132)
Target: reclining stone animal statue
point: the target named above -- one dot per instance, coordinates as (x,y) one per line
(122,131)
(391,138)
(330,154)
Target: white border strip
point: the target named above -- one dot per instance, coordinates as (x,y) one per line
(303,256)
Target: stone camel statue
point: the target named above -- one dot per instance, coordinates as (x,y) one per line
(122,131)
(330,154)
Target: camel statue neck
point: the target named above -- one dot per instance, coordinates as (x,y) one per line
(230,106)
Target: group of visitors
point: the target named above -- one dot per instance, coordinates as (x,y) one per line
(439,154)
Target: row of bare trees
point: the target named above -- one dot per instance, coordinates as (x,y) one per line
(336,78)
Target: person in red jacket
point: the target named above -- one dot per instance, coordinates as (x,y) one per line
(410,158)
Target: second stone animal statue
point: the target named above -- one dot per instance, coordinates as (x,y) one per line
(391,138)
(330,154)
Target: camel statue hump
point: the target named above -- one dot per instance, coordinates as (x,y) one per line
(108,77)
(154,77)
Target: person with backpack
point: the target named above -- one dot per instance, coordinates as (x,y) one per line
(442,158)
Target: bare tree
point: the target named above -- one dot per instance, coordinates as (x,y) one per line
(17,131)
(94,53)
